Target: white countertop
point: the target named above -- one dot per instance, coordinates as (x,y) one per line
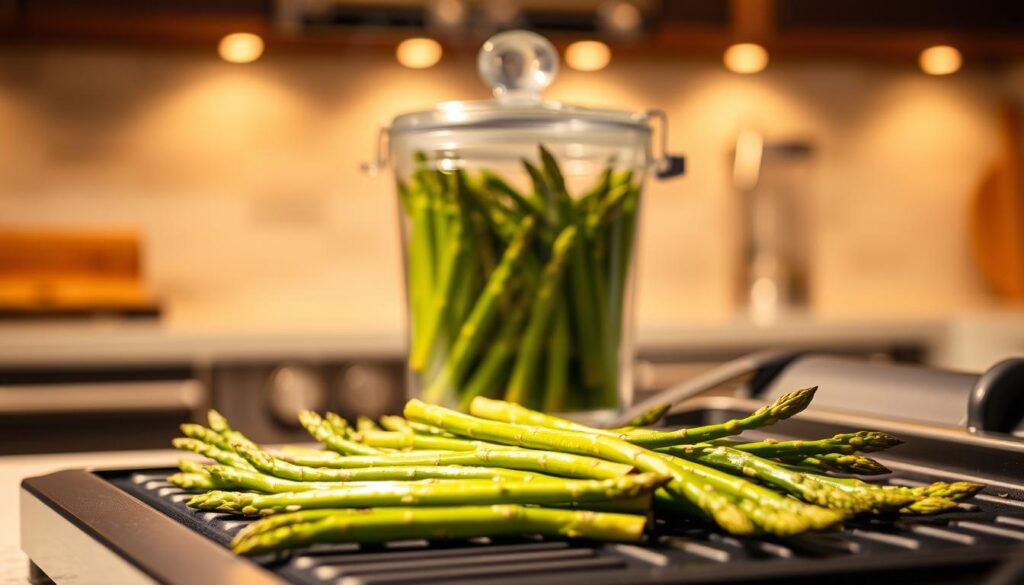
(14,563)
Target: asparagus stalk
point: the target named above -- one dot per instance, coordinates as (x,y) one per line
(471,334)
(487,376)
(524,205)
(220,425)
(422,262)
(200,482)
(207,450)
(843,443)
(838,463)
(381,525)
(400,425)
(756,498)
(684,482)
(327,434)
(201,433)
(784,407)
(556,380)
(453,264)
(801,485)
(929,506)
(649,417)
(363,423)
(244,479)
(447,494)
(547,462)
(276,467)
(525,369)
(894,497)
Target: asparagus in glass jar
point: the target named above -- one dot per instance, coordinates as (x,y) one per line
(517,294)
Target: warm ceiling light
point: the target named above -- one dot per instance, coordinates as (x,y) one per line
(620,17)
(940,60)
(745,58)
(418,53)
(240,48)
(588,55)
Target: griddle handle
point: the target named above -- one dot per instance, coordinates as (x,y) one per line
(764,365)
(996,404)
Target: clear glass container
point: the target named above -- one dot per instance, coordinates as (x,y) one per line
(519,221)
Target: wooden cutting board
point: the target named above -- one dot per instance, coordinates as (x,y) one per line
(52,272)
(997,215)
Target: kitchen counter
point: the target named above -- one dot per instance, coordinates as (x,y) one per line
(14,563)
(124,342)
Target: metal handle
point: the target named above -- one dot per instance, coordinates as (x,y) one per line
(764,365)
(665,165)
(996,403)
(380,153)
(160,396)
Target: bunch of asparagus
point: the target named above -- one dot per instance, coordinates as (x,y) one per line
(517,295)
(505,469)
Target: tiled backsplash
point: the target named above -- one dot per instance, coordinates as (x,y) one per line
(245,180)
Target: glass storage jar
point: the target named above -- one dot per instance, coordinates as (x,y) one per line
(519,220)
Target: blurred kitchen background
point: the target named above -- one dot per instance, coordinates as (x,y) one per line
(184,221)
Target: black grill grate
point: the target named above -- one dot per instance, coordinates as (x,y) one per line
(995,518)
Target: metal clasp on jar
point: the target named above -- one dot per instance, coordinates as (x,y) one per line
(665,165)
(380,157)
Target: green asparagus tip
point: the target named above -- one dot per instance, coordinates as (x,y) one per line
(217,421)
(960,490)
(862,465)
(182,442)
(929,505)
(869,441)
(790,403)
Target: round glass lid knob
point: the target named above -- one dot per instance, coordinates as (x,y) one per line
(517,64)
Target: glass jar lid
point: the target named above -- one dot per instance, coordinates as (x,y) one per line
(517,65)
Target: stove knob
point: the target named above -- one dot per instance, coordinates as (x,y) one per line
(294,388)
(369,390)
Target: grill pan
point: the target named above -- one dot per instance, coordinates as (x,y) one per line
(93,525)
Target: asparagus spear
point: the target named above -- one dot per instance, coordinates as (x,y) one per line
(471,334)
(784,407)
(422,262)
(844,443)
(449,494)
(894,497)
(684,483)
(274,466)
(487,377)
(381,525)
(524,371)
(326,433)
(363,423)
(201,433)
(453,264)
(556,380)
(244,479)
(804,486)
(525,205)
(548,462)
(929,506)
(755,497)
(400,425)
(196,481)
(208,450)
(220,425)
(838,463)
(649,417)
